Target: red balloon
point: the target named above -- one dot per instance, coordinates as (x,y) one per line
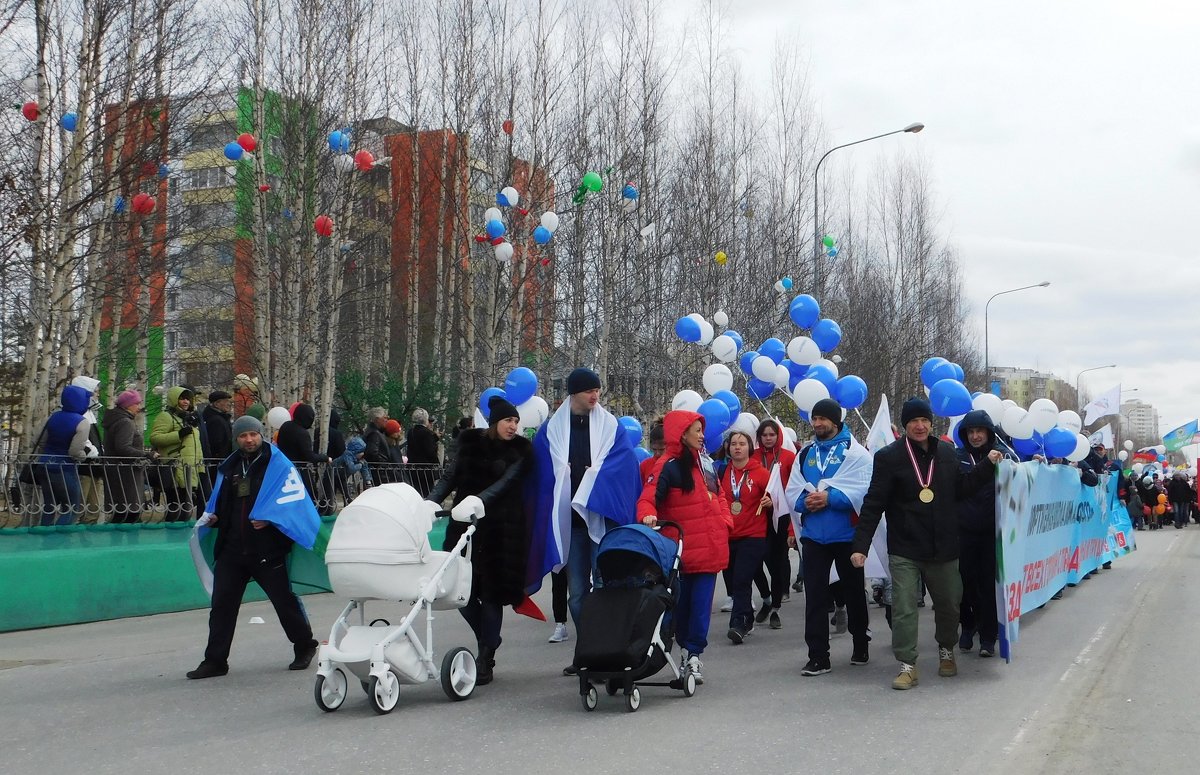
(545,262)
(247,141)
(364,160)
(30,111)
(264,188)
(508,126)
(143,204)
(324,225)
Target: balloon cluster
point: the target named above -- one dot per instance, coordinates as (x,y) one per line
(629,197)
(829,242)
(495,229)
(813,377)
(520,390)
(783,285)
(239,149)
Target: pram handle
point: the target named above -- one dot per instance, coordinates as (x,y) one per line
(442,513)
(668,523)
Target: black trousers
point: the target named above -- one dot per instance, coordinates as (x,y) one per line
(558,590)
(977,568)
(776,562)
(230,577)
(818,558)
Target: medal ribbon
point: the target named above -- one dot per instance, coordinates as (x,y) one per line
(736,485)
(916,469)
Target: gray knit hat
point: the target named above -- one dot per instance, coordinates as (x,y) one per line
(245,424)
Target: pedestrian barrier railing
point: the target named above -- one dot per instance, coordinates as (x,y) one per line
(60,492)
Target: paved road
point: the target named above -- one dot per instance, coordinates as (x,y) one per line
(1103,681)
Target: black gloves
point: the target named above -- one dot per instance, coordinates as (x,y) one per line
(185,431)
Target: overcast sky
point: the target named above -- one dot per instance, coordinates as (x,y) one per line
(1063,138)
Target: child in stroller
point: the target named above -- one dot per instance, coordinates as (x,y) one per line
(625,633)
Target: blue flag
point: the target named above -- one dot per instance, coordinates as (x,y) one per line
(282,500)
(1181,436)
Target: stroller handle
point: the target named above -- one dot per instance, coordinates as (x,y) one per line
(673,525)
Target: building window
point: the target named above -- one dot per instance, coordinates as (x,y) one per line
(209,177)
(172,341)
(172,301)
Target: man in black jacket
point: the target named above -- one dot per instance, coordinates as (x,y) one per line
(917,482)
(422,453)
(218,425)
(297,446)
(249,549)
(376,452)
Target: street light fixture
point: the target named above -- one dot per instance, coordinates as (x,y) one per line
(911,129)
(987,374)
(1085,371)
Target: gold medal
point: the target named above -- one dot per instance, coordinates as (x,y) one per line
(926,495)
(735,507)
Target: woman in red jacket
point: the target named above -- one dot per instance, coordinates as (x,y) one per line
(770,453)
(744,489)
(685,490)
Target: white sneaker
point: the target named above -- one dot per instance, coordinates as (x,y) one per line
(694,665)
(560,633)
(727,606)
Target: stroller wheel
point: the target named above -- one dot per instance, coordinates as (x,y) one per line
(385,693)
(330,692)
(689,685)
(590,699)
(612,686)
(458,673)
(633,700)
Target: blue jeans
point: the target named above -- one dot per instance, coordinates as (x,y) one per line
(581,564)
(694,610)
(62,494)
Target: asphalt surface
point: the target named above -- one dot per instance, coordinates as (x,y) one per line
(1102,682)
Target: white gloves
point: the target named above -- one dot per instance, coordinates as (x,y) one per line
(470,507)
(207,518)
(89,451)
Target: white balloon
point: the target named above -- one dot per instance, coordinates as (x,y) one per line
(343,162)
(492,214)
(1161,449)
(1044,414)
(763,368)
(808,392)
(827,364)
(687,400)
(533,412)
(720,318)
(1122,455)
(746,423)
(779,286)
(1082,448)
(628,205)
(1071,421)
(1138,468)
(1008,402)
(718,377)
(510,195)
(955,421)
(1129,445)
(504,252)
(550,221)
(782,377)
(803,351)
(790,434)
(1017,423)
(724,348)
(278,416)
(836,359)
(706,333)
(990,403)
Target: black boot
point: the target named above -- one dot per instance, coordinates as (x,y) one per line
(485,662)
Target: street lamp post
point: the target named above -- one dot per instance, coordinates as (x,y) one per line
(1078,404)
(987,375)
(911,128)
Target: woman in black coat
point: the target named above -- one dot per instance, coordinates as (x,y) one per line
(490,470)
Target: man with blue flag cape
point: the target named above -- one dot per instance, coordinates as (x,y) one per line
(586,480)
(260,508)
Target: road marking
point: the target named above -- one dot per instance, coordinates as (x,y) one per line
(1081,657)
(1025,725)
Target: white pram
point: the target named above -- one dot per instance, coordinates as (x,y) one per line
(379,550)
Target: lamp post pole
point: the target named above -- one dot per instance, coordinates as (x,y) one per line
(1078,403)
(987,375)
(911,128)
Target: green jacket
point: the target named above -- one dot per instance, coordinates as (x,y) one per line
(164,437)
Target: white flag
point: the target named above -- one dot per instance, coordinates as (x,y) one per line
(880,434)
(1102,436)
(1106,404)
(879,437)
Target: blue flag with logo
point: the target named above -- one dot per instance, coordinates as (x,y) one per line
(1181,436)
(282,500)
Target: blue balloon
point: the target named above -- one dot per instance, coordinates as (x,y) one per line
(541,235)
(486,396)
(629,192)
(735,336)
(164,171)
(339,141)
(520,385)
(642,454)
(975,394)
(1027,448)
(927,370)
(687,329)
(713,440)
(730,399)
(803,414)
(786,283)
(827,334)
(495,229)
(760,388)
(773,349)
(715,414)
(796,372)
(287,213)
(851,391)
(804,311)
(949,397)
(959,374)
(1059,442)
(69,122)
(119,205)
(748,359)
(633,429)
(233,151)
(832,252)
(824,375)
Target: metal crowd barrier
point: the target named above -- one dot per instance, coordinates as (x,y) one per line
(139,490)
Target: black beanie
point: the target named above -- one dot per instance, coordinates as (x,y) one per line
(829,409)
(913,408)
(499,408)
(581,380)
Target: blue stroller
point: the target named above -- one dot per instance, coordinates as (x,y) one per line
(622,636)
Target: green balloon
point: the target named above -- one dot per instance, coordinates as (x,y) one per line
(829,241)
(593,181)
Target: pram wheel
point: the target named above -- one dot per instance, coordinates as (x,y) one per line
(385,693)
(633,700)
(689,685)
(590,699)
(612,686)
(458,673)
(330,693)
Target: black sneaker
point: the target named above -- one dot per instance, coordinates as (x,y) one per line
(763,612)
(861,656)
(776,622)
(208,670)
(816,667)
(737,635)
(570,670)
(987,649)
(304,656)
(798,586)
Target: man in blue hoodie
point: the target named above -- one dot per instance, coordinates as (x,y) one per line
(977,538)
(827,485)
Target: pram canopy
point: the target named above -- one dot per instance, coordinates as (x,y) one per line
(387,525)
(612,557)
